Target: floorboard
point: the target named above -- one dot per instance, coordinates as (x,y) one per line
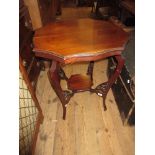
(88,129)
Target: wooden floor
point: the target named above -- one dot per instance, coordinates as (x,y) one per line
(88,129)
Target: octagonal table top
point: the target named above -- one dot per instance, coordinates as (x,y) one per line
(79,40)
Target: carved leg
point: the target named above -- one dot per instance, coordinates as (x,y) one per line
(54,78)
(103,88)
(120,64)
(90,69)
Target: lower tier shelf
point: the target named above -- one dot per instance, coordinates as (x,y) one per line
(79,82)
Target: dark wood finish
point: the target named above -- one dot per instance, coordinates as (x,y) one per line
(31,64)
(90,69)
(103,88)
(40,116)
(54,78)
(75,41)
(79,82)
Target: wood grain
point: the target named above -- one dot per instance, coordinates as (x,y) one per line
(88,129)
(71,40)
(79,82)
(49,106)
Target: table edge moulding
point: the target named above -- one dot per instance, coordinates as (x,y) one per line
(52,44)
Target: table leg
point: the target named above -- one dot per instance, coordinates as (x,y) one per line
(90,69)
(112,79)
(54,77)
(56,74)
(102,89)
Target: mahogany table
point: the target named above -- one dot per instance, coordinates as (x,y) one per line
(71,41)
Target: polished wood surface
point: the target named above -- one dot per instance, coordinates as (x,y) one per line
(78,82)
(76,40)
(79,40)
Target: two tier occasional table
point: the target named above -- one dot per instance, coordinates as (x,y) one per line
(79,40)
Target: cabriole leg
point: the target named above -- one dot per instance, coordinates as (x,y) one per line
(113,78)
(103,88)
(54,78)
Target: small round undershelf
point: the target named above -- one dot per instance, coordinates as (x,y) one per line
(79,82)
